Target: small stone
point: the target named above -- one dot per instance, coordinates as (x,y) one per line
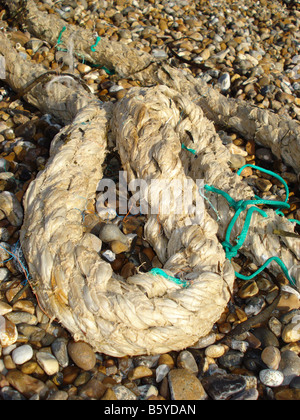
(266,337)
(166,359)
(8,332)
(5,308)
(184,385)
(264,185)
(82,355)
(26,385)
(232,359)
(118,247)
(215,351)
(48,363)
(237,161)
(289,366)
(109,395)
(270,377)
(159,54)
(186,360)
(139,372)
(275,326)
(271,356)
(264,155)
(224,82)
(22,318)
(123,393)
(161,372)
(223,387)
(204,342)
(248,289)
(93,389)
(11,208)
(22,354)
(291,333)
(25,306)
(60,351)
(288,302)
(83,68)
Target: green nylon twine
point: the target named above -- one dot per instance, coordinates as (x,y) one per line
(240,206)
(160,272)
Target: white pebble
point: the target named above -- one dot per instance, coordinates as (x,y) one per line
(271,378)
(22,354)
(48,363)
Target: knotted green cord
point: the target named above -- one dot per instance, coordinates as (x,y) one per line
(241,205)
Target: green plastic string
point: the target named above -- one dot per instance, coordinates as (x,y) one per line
(60,35)
(241,205)
(93,47)
(193,151)
(160,272)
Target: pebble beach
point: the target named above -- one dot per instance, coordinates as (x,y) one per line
(247,50)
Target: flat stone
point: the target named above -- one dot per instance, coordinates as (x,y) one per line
(82,355)
(223,387)
(25,384)
(48,363)
(184,385)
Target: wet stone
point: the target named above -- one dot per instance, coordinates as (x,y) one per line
(223,387)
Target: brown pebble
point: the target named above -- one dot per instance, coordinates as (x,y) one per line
(128,270)
(139,372)
(82,355)
(184,385)
(166,359)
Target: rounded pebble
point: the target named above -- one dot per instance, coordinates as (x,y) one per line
(22,354)
(82,355)
(271,377)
